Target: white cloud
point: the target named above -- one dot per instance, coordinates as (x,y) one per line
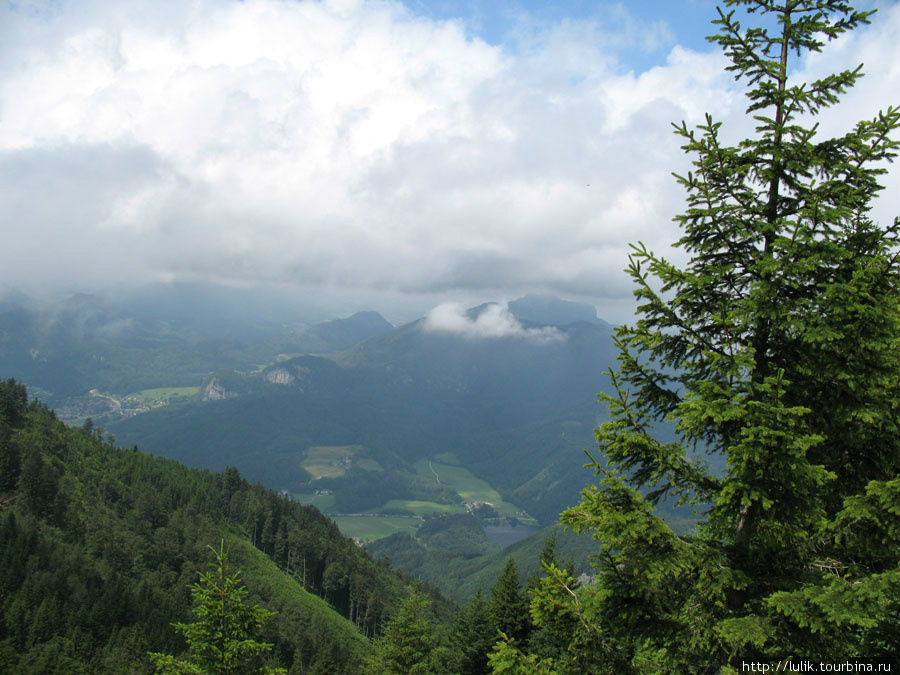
(348,144)
(493,321)
(878,50)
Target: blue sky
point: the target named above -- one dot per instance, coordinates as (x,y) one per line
(498,22)
(373,151)
(664,23)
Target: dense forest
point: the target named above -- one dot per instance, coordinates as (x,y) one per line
(101,548)
(98,546)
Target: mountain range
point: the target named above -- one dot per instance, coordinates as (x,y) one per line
(496,390)
(478,413)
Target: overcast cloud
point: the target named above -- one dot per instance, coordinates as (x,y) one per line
(353,145)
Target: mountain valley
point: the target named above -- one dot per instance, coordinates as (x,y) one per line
(464,430)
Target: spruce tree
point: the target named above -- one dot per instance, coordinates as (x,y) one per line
(550,639)
(408,645)
(38,485)
(10,462)
(13,403)
(774,354)
(474,633)
(223,638)
(13,407)
(509,604)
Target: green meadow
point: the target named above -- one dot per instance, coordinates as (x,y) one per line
(464,482)
(369,528)
(164,395)
(321,502)
(420,508)
(332,461)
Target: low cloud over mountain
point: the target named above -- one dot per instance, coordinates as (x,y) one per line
(492,321)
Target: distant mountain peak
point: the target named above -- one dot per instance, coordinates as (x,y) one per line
(549,310)
(14,300)
(341,334)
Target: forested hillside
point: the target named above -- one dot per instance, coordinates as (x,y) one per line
(98,546)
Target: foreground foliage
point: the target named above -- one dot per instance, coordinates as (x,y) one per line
(775,348)
(409,645)
(223,638)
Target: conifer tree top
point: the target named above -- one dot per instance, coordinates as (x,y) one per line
(759,383)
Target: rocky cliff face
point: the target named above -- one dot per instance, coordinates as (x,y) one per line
(215,391)
(279,376)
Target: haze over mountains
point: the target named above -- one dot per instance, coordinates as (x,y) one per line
(162,336)
(511,399)
(505,391)
(460,432)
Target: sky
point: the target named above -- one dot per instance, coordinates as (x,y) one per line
(381,153)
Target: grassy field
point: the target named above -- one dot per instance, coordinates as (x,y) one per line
(420,508)
(164,395)
(273,583)
(321,502)
(332,461)
(465,483)
(370,528)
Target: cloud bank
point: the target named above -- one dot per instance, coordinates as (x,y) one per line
(494,321)
(345,144)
